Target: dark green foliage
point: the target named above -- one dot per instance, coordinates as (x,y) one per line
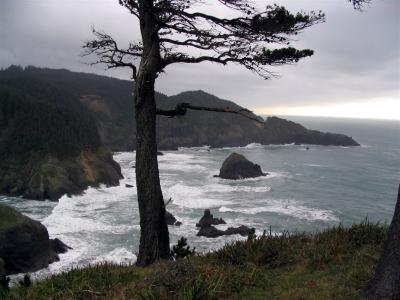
(252,234)
(118,127)
(202,288)
(26,281)
(284,54)
(4,286)
(279,20)
(181,249)
(37,117)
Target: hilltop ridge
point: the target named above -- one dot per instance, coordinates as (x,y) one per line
(111,105)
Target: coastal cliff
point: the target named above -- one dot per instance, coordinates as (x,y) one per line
(49,142)
(50,177)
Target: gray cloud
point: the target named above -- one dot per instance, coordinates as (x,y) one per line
(356,54)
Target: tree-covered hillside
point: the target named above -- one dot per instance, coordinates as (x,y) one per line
(111,102)
(37,117)
(49,141)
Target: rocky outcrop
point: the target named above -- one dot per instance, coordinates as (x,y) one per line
(171,220)
(207,230)
(236,166)
(281,131)
(212,232)
(51,177)
(24,243)
(58,246)
(208,219)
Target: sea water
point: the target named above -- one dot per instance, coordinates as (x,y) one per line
(308,188)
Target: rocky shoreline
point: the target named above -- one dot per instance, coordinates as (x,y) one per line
(25,245)
(51,177)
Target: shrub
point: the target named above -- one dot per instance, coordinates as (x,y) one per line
(181,249)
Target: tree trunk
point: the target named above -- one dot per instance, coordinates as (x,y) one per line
(386,281)
(154,236)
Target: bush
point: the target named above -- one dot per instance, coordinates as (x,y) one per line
(181,249)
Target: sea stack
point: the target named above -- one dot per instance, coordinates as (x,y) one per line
(236,166)
(208,219)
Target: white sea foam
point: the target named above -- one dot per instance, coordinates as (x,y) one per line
(269,176)
(286,207)
(316,165)
(253,146)
(205,148)
(282,145)
(181,162)
(117,256)
(192,197)
(225,209)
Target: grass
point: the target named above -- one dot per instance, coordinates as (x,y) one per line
(334,264)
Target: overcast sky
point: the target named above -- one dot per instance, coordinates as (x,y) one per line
(355,71)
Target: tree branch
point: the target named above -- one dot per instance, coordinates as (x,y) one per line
(256,61)
(359,4)
(182,108)
(108,52)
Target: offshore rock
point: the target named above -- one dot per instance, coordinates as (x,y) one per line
(212,232)
(59,246)
(171,220)
(236,166)
(208,219)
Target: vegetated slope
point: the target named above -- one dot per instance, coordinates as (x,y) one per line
(334,264)
(199,128)
(49,143)
(111,102)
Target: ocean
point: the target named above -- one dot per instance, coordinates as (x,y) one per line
(309,188)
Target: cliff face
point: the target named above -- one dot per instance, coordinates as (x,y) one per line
(111,103)
(51,177)
(49,143)
(281,131)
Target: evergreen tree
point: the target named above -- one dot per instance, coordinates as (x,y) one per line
(173,31)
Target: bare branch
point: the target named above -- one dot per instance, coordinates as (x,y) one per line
(182,108)
(108,52)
